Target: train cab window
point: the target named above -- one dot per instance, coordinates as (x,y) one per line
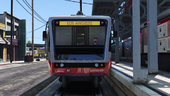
(80,35)
(88,42)
(97,35)
(63,36)
(77,36)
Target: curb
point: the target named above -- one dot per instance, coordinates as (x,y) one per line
(36,89)
(126,83)
(1,64)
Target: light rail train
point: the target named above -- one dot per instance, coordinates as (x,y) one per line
(78,47)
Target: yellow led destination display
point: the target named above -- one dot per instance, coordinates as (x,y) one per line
(79,23)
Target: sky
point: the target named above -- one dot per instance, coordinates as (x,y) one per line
(46,9)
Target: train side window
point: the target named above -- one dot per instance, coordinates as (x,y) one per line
(164,49)
(160,30)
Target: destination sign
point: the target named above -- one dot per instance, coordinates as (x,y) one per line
(79,23)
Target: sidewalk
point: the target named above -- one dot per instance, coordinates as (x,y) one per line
(8,62)
(159,83)
(5,65)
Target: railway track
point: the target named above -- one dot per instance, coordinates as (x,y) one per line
(73,89)
(54,88)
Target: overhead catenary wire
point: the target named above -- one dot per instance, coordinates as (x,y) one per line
(30,7)
(79,2)
(36,13)
(28,11)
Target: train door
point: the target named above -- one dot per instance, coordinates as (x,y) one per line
(80,36)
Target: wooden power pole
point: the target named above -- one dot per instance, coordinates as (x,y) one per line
(33,30)
(12,29)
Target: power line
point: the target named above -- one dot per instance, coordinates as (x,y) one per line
(79,2)
(28,11)
(36,13)
(37,28)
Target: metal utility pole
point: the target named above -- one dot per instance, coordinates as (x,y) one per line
(152,36)
(12,29)
(116,24)
(139,74)
(33,30)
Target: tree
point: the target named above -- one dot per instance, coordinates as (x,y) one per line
(29,42)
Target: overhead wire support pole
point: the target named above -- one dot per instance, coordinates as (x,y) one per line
(152,36)
(33,30)
(12,29)
(80,5)
(139,75)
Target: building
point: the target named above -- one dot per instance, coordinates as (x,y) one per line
(22,39)
(3,43)
(19,35)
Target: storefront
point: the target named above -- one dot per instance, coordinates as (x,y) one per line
(15,48)
(3,43)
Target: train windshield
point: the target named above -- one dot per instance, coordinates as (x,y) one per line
(79,40)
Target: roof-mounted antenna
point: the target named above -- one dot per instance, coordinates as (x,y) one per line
(80,12)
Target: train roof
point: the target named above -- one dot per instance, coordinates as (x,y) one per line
(80,17)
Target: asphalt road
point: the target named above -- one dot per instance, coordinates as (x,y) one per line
(14,81)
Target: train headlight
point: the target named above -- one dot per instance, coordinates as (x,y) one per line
(61,65)
(68,70)
(96,65)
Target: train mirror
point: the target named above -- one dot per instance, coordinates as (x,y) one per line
(115,34)
(110,49)
(44,35)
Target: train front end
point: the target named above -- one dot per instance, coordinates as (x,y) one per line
(79,45)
